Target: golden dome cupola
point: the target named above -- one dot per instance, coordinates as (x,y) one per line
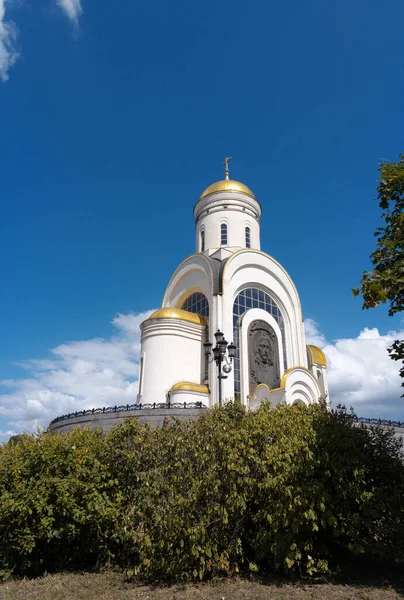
(227,185)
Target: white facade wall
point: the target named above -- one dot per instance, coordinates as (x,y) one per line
(189,397)
(262,393)
(244,269)
(256,269)
(171,351)
(193,275)
(301,387)
(320,373)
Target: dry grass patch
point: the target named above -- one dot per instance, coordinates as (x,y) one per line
(112,586)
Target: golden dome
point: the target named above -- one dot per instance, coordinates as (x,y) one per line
(317,356)
(227,185)
(178,313)
(187,386)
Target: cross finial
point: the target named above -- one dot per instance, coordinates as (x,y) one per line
(226,164)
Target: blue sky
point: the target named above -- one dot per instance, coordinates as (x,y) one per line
(114,118)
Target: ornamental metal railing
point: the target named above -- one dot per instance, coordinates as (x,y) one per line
(190,405)
(127,408)
(371,421)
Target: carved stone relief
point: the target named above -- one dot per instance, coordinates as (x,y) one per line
(263,354)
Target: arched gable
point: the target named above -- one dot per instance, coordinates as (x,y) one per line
(247,268)
(197,273)
(261,261)
(300,386)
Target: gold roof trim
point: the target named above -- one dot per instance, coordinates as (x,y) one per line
(317,356)
(178,313)
(190,387)
(284,378)
(227,185)
(289,371)
(282,384)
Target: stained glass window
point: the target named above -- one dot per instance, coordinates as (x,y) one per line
(197,303)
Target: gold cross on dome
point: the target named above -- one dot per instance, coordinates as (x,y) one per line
(226,164)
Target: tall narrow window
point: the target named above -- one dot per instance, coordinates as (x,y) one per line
(203,240)
(141,367)
(247,237)
(223,234)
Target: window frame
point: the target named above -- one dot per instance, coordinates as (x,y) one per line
(247,234)
(223,234)
(196,303)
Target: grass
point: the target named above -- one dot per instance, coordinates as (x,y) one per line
(111,585)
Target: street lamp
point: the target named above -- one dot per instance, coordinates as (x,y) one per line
(219,356)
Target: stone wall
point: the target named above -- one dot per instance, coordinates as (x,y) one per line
(106,420)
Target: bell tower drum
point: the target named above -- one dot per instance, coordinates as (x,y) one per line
(227,216)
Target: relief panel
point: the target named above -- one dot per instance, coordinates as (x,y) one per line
(263,356)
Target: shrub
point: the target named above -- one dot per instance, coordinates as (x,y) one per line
(278,489)
(56,502)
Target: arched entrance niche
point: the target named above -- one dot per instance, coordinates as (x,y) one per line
(247,299)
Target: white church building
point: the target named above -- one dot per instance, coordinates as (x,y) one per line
(229,285)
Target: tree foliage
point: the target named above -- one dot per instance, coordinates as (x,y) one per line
(277,489)
(385,283)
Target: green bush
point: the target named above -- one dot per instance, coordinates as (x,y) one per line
(57,502)
(279,489)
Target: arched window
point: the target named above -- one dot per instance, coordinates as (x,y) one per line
(203,240)
(247,237)
(223,234)
(253,298)
(197,303)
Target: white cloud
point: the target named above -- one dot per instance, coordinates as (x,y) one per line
(72,9)
(79,375)
(361,373)
(313,334)
(9,32)
(8,36)
(6,435)
(103,372)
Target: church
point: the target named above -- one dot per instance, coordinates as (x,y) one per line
(230,325)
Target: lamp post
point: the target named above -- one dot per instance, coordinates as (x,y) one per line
(219,356)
